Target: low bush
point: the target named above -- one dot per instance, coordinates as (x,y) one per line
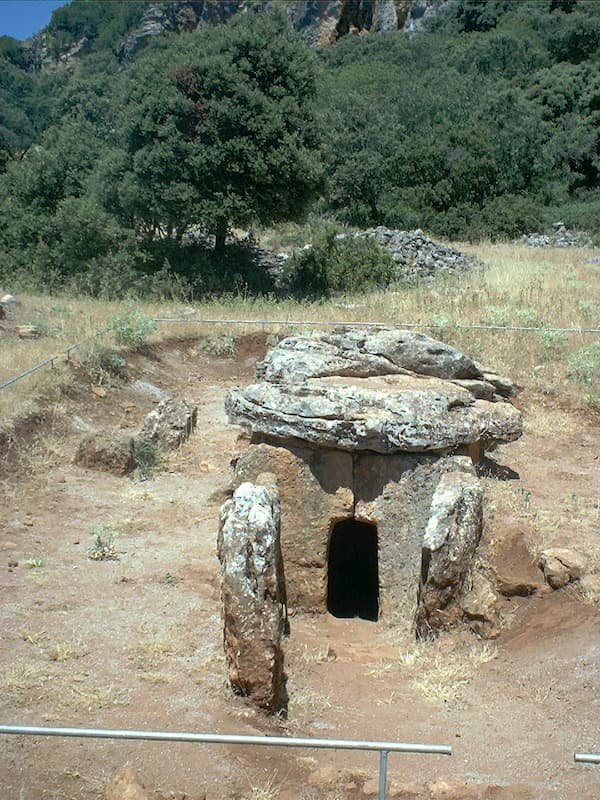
(584,369)
(104,366)
(132,328)
(333,265)
(148,458)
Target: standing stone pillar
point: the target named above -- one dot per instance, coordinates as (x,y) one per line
(253,592)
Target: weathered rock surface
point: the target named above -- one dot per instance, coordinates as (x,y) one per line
(319,23)
(501,422)
(561,565)
(385,415)
(448,548)
(315,488)
(517,574)
(126,784)
(364,353)
(321,487)
(170,423)
(106,453)
(253,592)
(481,607)
(504,386)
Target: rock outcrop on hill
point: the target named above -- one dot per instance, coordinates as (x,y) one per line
(320,23)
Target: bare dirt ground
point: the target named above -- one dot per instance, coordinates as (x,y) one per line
(136,642)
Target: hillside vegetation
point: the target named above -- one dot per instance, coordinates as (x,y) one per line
(485,124)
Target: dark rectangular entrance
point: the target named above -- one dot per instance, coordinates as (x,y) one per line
(353,571)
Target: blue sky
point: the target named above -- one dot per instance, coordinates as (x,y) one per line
(22,18)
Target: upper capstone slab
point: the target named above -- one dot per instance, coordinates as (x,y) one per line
(383,391)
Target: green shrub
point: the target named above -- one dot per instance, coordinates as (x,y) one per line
(584,369)
(103,546)
(552,342)
(335,264)
(148,458)
(132,328)
(103,365)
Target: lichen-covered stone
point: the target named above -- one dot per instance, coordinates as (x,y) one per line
(170,423)
(449,544)
(364,353)
(315,489)
(253,593)
(394,413)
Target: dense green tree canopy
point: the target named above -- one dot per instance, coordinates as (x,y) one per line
(227,137)
(485,123)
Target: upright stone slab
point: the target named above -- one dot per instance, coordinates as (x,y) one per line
(315,489)
(253,593)
(449,543)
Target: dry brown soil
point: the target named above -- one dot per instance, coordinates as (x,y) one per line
(136,642)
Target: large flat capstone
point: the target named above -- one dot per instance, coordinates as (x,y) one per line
(395,413)
(384,391)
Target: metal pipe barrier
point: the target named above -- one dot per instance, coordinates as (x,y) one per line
(587,758)
(51,359)
(383,748)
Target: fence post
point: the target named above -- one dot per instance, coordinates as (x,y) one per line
(383,758)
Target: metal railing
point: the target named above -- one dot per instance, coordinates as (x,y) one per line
(66,354)
(383,748)
(587,758)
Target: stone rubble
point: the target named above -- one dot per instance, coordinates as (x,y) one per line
(560,237)
(417,256)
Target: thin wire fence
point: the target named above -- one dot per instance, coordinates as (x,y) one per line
(263,323)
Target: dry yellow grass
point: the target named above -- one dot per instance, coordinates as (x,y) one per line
(518,286)
(55,688)
(152,647)
(444,674)
(268,790)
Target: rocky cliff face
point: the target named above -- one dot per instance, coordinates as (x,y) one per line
(320,22)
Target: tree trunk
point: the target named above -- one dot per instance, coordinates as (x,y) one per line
(220,235)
